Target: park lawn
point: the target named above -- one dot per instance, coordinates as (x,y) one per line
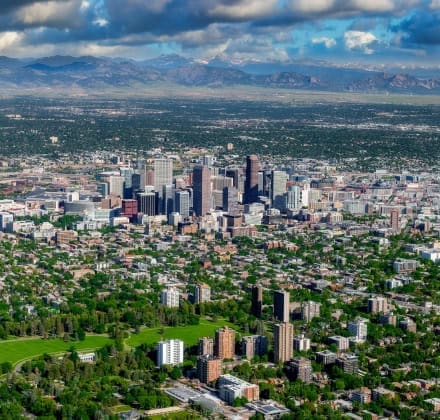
(117,409)
(14,351)
(187,414)
(188,333)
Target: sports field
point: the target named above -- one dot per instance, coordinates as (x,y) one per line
(189,334)
(14,351)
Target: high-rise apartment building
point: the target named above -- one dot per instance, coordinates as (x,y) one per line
(170,298)
(281,305)
(251,183)
(301,369)
(253,345)
(209,369)
(224,347)
(394,220)
(257,300)
(310,310)
(388,319)
(169,352)
(202,293)
(349,363)
(326,357)
(378,304)
(6,221)
(202,190)
(301,343)
(358,328)
(205,346)
(342,343)
(283,342)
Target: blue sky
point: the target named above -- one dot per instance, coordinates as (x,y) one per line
(405,32)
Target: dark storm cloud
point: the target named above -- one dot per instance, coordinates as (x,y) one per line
(125,18)
(25,14)
(173,16)
(239,26)
(7,5)
(420,29)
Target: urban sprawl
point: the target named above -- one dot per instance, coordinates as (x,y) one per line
(200,283)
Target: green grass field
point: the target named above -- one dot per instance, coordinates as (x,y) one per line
(187,414)
(14,351)
(189,334)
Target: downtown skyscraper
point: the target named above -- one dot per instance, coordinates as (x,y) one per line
(202,190)
(163,175)
(251,183)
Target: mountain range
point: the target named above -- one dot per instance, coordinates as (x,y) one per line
(90,72)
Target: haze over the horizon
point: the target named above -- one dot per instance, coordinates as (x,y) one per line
(404,32)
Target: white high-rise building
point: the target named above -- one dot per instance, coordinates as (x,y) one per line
(6,221)
(163,173)
(169,352)
(293,198)
(358,328)
(301,343)
(305,195)
(182,202)
(170,298)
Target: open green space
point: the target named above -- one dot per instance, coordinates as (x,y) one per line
(120,409)
(189,333)
(187,414)
(14,351)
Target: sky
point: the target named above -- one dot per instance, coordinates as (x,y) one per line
(379,32)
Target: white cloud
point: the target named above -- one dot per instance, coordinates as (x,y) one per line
(84,5)
(244,9)
(328,42)
(374,5)
(435,4)
(312,6)
(51,13)
(101,22)
(8,40)
(349,7)
(358,40)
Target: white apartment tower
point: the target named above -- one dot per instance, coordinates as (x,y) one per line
(169,352)
(170,298)
(358,328)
